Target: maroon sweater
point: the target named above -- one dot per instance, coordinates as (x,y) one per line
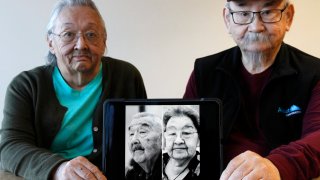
(284,157)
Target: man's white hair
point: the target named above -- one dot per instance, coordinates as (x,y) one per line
(156,120)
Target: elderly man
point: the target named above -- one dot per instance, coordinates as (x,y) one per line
(145,140)
(53,113)
(270,93)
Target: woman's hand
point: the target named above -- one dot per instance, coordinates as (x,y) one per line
(78,168)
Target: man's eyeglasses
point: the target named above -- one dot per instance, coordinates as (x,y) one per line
(69,36)
(247,17)
(172,135)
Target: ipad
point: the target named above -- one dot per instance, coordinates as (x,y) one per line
(130,126)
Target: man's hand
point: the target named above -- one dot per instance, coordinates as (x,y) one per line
(249,165)
(78,168)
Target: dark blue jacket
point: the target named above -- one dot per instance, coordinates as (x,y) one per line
(284,98)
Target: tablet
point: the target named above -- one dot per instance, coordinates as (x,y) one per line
(119,132)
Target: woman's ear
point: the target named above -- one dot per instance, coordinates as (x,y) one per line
(50,45)
(163,143)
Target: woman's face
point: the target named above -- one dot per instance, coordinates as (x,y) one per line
(181,138)
(83,53)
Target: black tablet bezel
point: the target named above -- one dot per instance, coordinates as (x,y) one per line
(113,150)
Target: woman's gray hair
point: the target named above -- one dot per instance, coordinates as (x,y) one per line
(183,110)
(60,5)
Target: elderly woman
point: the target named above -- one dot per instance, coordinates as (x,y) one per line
(181,159)
(52,125)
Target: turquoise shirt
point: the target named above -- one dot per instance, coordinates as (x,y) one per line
(75,135)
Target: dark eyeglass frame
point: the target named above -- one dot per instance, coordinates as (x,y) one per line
(252,14)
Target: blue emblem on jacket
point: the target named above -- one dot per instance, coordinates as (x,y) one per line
(291,111)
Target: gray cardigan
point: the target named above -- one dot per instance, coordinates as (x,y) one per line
(33,115)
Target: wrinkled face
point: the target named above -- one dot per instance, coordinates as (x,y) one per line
(181,138)
(258,36)
(144,140)
(83,54)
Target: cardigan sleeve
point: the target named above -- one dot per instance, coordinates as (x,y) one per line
(301,158)
(19,150)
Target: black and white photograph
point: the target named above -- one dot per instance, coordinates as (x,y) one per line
(144,143)
(160,139)
(162,142)
(181,155)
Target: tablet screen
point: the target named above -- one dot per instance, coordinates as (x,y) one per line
(148,138)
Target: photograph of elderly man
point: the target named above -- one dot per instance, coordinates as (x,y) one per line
(144,143)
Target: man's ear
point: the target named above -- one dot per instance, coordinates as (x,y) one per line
(49,41)
(289,14)
(227,18)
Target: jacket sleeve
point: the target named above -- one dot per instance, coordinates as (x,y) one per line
(191,89)
(301,158)
(19,150)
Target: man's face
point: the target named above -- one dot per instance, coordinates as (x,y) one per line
(258,36)
(80,55)
(181,138)
(144,139)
